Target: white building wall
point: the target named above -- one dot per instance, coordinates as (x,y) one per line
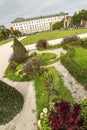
(36,25)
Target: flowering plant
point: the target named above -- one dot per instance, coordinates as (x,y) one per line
(62,117)
(43,123)
(84,111)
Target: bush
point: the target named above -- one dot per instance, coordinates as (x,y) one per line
(33,66)
(41,44)
(57,25)
(11,102)
(79,73)
(84,111)
(19,52)
(62,117)
(69,39)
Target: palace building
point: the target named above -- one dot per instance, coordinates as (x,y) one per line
(37,24)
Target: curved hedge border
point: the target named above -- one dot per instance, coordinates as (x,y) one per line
(11,103)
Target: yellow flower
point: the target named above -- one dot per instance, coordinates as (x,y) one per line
(85,98)
(41,115)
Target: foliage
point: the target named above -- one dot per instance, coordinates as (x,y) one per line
(20,54)
(17,33)
(11,102)
(77,17)
(33,54)
(57,25)
(33,66)
(43,123)
(41,44)
(84,111)
(80,56)
(51,35)
(69,39)
(42,90)
(65,118)
(79,73)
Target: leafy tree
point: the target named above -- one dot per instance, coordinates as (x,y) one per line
(57,25)
(1,35)
(11,30)
(17,33)
(77,17)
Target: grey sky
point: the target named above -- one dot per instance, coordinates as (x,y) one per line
(10,10)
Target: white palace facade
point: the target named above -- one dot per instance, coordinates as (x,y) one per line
(37,24)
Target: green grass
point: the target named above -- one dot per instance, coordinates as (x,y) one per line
(11,102)
(48,58)
(81,56)
(42,92)
(51,35)
(5,41)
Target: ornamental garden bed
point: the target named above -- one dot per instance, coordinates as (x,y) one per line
(60,111)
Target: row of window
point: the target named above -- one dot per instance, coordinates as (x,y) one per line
(48,20)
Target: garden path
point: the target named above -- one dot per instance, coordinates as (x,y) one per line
(77,90)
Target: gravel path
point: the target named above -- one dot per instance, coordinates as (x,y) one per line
(75,88)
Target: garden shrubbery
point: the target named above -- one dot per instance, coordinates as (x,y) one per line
(11,102)
(20,53)
(69,39)
(71,65)
(33,66)
(42,44)
(75,69)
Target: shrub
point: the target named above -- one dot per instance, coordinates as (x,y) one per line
(79,73)
(62,117)
(84,111)
(69,39)
(11,103)
(41,44)
(33,66)
(19,52)
(57,25)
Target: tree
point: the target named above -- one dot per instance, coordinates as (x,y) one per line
(1,35)
(19,52)
(11,30)
(57,25)
(77,17)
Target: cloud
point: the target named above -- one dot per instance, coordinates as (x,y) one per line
(9,9)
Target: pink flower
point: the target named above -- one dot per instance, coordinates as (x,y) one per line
(46,85)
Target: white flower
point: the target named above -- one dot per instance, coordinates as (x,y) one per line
(45,110)
(41,115)
(39,122)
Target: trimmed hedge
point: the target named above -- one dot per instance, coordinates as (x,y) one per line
(11,103)
(79,73)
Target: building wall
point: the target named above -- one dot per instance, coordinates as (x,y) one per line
(36,25)
(68,22)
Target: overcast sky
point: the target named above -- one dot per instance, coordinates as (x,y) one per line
(12,9)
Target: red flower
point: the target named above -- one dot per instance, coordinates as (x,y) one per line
(71,120)
(46,85)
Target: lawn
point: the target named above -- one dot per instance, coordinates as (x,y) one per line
(11,102)
(51,35)
(81,56)
(5,41)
